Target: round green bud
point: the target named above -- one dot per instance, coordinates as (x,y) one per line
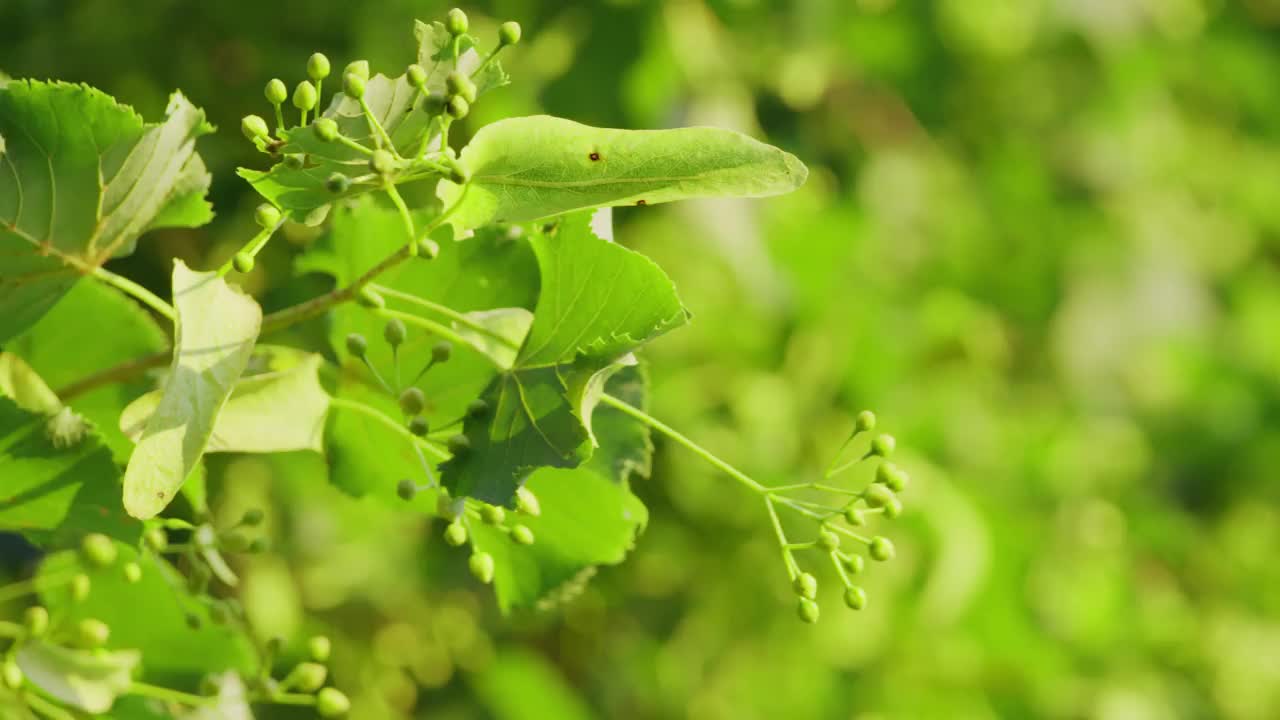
(805,585)
(878,496)
(481,565)
(458,107)
(412,401)
(318,648)
(828,540)
(331,703)
(13,677)
(854,516)
(394,332)
(98,550)
(276,92)
(253,517)
(807,610)
(460,85)
(865,422)
(428,249)
(235,541)
(892,477)
(132,572)
(304,95)
(326,129)
(522,534)
(854,564)
(893,509)
(435,103)
(308,676)
(406,489)
(254,127)
(458,444)
(337,183)
(492,514)
(382,162)
(359,68)
(193,621)
(317,67)
(353,86)
(509,33)
(242,262)
(92,633)
(357,345)
(36,619)
(880,549)
(856,598)
(883,445)
(267,216)
(527,503)
(455,533)
(80,587)
(416,75)
(156,539)
(450,508)
(456,22)
(477,409)
(295,161)
(441,351)
(419,426)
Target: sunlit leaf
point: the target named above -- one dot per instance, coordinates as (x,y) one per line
(84,679)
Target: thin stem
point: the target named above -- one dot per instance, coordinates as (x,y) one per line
(830,472)
(46,708)
(692,446)
(375,414)
(460,318)
(377,375)
(142,294)
(790,562)
(846,531)
(168,695)
(288,699)
(348,142)
(405,217)
(254,246)
(279,119)
(375,127)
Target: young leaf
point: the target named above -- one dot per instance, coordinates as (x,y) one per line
(81,177)
(94,327)
(535,167)
(53,494)
(84,679)
(276,411)
(598,303)
(215,329)
(20,382)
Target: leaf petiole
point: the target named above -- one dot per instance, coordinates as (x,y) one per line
(140,293)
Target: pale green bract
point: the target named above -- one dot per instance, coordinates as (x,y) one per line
(530,168)
(83,679)
(279,411)
(215,332)
(81,177)
(598,302)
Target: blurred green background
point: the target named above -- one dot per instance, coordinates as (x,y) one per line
(1041,238)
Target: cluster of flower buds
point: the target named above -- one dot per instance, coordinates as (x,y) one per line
(461,513)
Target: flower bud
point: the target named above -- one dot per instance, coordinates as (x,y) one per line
(880,549)
(477,409)
(854,564)
(267,216)
(428,249)
(855,598)
(359,68)
(80,587)
(807,610)
(357,345)
(460,85)
(156,538)
(308,676)
(416,75)
(253,517)
(883,445)
(458,444)
(243,262)
(276,92)
(419,426)
(318,648)
(450,508)
(877,496)
(458,107)
(304,96)
(481,566)
(492,514)
(98,550)
(92,633)
(854,516)
(441,351)
(412,401)
(527,503)
(522,535)
(456,22)
(337,183)
(893,508)
(382,162)
(455,533)
(865,422)
(331,703)
(892,477)
(394,332)
(132,572)
(828,540)
(317,67)
(407,489)
(353,86)
(325,129)
(805,585)
(36,619)
(13,677)
(254,127)
(509,33)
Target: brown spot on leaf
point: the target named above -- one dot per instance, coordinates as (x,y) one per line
(641,202)
(595,157)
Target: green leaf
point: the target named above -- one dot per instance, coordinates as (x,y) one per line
(152,615)
(506,685)
(589,516)
(598,303)
(81,178)
(52,494)
(498,334)
(216,328)
(20,382)
(83,679)
(530,168)
(393,101)
(490,270)
(92,328)
(277,411)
